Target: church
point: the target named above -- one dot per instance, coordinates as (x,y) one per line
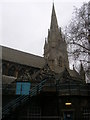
(44,88)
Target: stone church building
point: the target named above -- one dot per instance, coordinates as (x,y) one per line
(44,88)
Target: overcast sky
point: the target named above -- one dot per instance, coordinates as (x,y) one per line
(25,23)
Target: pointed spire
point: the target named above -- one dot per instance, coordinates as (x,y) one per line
(81,67)
(75,72)
(54,24)
(73,67)
(82,72)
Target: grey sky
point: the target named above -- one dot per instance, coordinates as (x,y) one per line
(25,23)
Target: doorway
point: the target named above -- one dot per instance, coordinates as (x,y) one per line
(68,115)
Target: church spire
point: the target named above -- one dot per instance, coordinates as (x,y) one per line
(54,53)
(54,24)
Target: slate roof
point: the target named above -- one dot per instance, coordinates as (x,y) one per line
(20,57)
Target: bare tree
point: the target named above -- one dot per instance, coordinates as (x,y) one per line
(78,35)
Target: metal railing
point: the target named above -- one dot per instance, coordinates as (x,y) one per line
(41,117)
(73,89)
(22,99)
(68,89)
(63,89)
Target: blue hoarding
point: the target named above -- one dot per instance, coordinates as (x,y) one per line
(22,88)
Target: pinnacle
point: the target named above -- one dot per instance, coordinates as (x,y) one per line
(54,24)
(81,67)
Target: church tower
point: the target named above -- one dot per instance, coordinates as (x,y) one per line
(55,50)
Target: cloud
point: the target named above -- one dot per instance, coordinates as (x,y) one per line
(25,23)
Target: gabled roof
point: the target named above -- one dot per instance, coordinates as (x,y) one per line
(22,57)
